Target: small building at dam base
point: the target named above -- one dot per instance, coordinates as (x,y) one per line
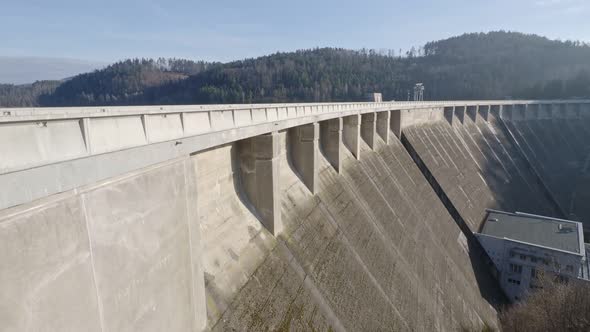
(522,246)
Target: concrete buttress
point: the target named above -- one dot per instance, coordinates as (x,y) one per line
(303,151)
(369,128)
(331,141)
(383,124)
(259,175)
(352,134)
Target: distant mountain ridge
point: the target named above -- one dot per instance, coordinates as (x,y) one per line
(491,65)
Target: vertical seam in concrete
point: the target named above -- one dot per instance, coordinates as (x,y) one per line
(86,134)
(144,122)
(190,242)
(98,299)
(182,122)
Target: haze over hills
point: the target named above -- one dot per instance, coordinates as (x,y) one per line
(493,65)
(28,69)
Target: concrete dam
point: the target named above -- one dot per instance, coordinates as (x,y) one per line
(302,217)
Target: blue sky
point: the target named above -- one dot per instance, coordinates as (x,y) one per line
(225,30)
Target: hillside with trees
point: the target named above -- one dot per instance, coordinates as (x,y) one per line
(122,83)
(493,65)
(26,95)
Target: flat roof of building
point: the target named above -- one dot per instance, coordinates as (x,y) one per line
(537,230)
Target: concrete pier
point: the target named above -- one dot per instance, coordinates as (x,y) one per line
(460,113)
(331,141)
(303,149)
(369,129)
(396,123)
(383,125)
(472,112)
(484,111)
(449,114)
(259,175)
(351,134)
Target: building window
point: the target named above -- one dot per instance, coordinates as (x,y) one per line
(569,268)
(533,259)
(514,281)
(512,254)
(515,268)
(523,257)
(534,273)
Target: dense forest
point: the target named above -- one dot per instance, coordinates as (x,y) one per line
(493,65)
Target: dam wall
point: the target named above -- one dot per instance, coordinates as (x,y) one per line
(347,257)
(558,147)
(118,255)
(262,217)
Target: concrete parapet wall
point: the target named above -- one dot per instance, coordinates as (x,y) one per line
(62,149)
(124,254)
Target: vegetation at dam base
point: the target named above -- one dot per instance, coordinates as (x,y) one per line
(495,65)
(555,307)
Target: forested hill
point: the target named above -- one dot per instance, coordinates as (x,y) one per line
(121,83)
(494,65)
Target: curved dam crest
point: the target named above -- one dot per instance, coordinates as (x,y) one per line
(273,217)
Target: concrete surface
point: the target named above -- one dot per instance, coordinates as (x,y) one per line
(383,125)
(259,176)
(119,255)
(304,149)
(65,148)
(347,257)
(478,168)
(351,134)
(228,218)
(331,141)
(558,150)
(369,129)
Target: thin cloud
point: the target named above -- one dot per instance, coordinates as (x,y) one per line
(564,6)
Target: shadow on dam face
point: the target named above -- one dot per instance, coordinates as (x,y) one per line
(374,249)
(478,167)
(559,151)
(527,163)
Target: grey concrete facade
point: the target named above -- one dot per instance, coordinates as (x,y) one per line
(120,255)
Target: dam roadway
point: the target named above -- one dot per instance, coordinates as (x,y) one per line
(342,216)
